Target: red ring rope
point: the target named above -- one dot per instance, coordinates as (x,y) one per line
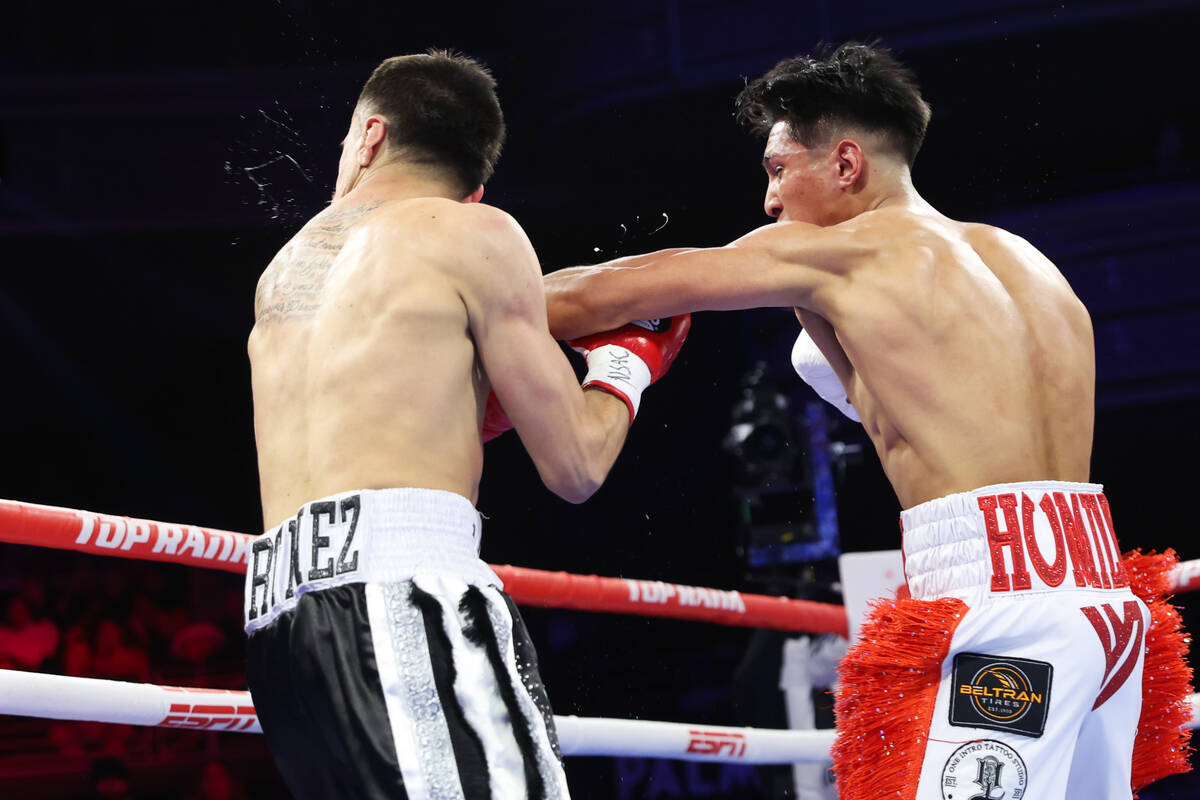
(105,534)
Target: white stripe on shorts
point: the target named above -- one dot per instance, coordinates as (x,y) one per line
(419,729)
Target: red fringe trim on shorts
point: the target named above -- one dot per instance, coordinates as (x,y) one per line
(1163,741)
(887,688)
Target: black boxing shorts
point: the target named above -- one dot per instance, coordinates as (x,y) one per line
(385,661)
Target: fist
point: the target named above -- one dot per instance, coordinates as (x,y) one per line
(655,341)
(626,360)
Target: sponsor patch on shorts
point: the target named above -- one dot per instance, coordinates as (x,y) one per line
(998,693)
(984,768)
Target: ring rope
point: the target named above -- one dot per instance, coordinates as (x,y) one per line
(1187,576)
(33,694)
(127,537)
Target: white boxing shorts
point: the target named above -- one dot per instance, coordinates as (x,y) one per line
(1030,661)
(385,661)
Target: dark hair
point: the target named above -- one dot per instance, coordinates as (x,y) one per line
(857,84)
(441,108)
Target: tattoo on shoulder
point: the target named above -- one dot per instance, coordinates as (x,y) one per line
(293,283)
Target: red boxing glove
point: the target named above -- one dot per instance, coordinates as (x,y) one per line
(625,361)
(495,420)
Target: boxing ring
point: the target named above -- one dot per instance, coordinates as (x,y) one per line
(45,696)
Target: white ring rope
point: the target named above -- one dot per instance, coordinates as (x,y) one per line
(604,736)
(34,694)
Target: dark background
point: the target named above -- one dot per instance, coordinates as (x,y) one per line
(153,156)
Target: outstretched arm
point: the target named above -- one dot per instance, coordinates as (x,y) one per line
(784,264)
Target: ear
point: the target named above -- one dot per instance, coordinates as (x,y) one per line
(374,137)
(851,163)
(475,196)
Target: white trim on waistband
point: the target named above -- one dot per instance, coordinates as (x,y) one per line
(1008,539)
(370,535)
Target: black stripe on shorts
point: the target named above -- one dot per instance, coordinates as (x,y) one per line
(313,677)
(481,631)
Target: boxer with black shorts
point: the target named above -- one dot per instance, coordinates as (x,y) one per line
(1028,650)
(398,329)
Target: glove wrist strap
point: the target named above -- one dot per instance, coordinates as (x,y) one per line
(619,371)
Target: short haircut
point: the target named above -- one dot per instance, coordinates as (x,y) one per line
(860,85)
(441,109)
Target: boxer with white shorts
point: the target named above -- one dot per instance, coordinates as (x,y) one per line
(970,362)
(1034,639)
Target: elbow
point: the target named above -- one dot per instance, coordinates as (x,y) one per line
(579,478)
(579,493)
(578,486)
(579,462)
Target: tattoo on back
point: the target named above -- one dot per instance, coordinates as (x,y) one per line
(292,285)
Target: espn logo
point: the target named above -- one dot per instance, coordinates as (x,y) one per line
(716,743)
(228,716)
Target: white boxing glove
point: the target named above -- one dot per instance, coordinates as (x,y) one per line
(814,368)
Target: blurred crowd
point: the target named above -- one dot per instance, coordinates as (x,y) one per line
(122,620)
(142,622)
(110,780)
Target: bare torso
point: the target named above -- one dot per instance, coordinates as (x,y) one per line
(967,355)
(365,374)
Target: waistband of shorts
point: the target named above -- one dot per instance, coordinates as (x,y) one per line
(364,536)
(1010,539)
